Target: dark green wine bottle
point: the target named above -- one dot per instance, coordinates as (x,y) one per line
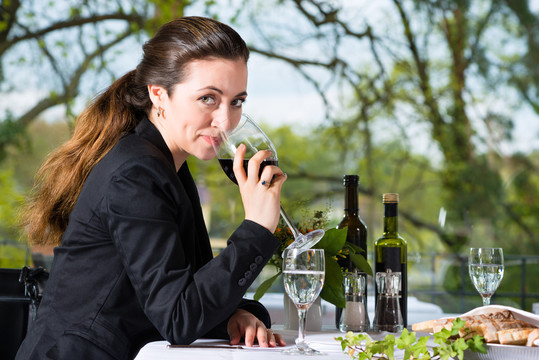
(390,250)
(357,230)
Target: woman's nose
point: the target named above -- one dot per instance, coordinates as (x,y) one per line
(226,120)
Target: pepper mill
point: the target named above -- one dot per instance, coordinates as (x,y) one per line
(388,316)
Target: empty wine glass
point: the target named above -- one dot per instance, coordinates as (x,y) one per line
(486,270)
(247,132)
(303,277)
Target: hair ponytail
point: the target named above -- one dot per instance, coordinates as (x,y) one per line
(60,179)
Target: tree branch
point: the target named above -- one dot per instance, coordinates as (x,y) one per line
(71,89)
(70,23)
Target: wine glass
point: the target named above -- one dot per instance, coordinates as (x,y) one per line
(486,270)
(303,277)
(247,132)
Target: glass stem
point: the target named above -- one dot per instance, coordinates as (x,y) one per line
(291,226)
(486,300)
(300,341)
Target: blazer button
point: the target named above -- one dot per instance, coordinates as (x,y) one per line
(259,259)
(247,274)
(242,282)
(253,267)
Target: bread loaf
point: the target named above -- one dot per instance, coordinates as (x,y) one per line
(534,335)
(490,329)
(514,336)
(496,327)
(437,325)
(431,326)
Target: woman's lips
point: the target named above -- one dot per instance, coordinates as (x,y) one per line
(214,141)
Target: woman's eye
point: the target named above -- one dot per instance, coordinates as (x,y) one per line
(238,102)
(208,100)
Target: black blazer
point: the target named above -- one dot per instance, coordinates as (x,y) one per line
(135,263)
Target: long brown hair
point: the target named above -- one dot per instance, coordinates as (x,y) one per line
(117,110)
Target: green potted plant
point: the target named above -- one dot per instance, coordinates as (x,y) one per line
(335,247)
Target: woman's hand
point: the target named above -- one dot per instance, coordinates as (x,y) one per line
(246,325)
(261,197)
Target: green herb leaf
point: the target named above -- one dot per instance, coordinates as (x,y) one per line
(406,339)
(332,242)
(361,347)
(361,263)
(265,286)
(332,291)
(457,325)
(459,346)
(477,344)
(419,349)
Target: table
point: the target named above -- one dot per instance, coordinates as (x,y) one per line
(202,350)
(321,340)
(325,342)
(211,349)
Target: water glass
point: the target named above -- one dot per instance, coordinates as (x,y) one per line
(303,277)
(486,271)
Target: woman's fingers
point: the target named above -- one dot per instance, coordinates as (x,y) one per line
(243,324)
(253,168)
(255,163)
(260,196)
(266,338)
(272,177)
(237,165)
(279,341)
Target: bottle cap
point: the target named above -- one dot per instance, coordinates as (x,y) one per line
(390,198)
(351,180)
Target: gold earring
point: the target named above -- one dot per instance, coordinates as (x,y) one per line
(159,111)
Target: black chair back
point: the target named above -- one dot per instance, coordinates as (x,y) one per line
(14,312)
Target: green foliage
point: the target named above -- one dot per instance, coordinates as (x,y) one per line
(13,255)
(265,286)
(361,347)
(332,291)
(332,242)
(11,132)
(10,199)
(165,11)
(41,139)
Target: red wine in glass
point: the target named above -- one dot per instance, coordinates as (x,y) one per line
(226,165)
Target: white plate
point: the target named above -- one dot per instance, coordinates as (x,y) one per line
(505,352)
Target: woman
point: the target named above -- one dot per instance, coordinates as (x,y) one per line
(134,262)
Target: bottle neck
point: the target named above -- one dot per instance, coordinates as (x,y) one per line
(351,199)
(391,224)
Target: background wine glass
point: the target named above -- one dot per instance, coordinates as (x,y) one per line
(486,270)
(247,132)
(303,277)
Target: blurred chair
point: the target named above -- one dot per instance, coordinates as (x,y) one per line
(20,295)
(14,312)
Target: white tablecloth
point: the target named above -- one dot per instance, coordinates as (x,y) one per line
(323,341)
(201,350)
